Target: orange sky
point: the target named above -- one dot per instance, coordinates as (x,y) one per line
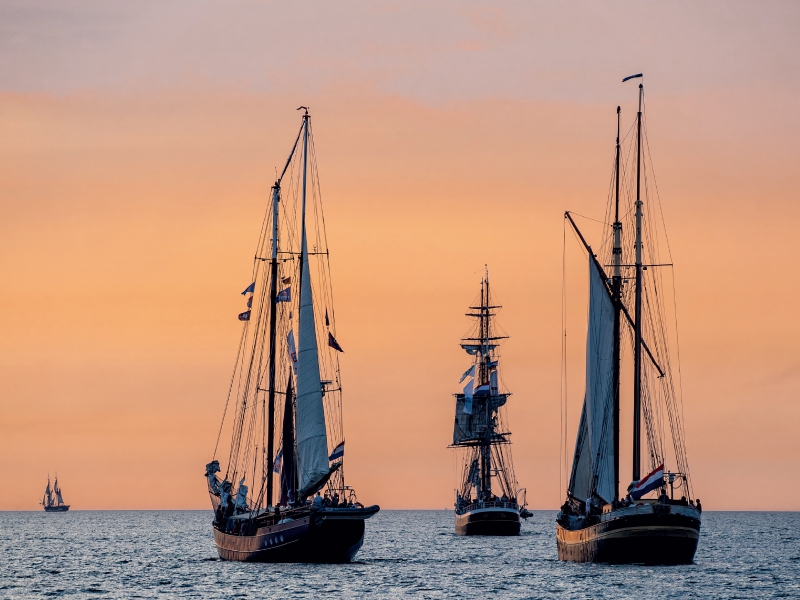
(136,154)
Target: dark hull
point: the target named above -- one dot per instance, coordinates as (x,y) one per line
(323,536)
(488,521)
(62,508)
(656,539)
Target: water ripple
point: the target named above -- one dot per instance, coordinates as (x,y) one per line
(406,554)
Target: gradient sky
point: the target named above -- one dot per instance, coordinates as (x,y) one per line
(138,142)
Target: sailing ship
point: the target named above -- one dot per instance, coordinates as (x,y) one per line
(263,507)
(481,436)
(647,524)
(52,501)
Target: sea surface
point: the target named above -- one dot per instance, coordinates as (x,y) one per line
(406,554)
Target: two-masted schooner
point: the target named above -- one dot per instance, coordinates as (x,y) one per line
(648,524)
(488,501)
(52,501)
(310,515)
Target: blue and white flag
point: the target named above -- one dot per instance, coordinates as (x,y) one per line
(468,396)
(245,316)
(250,289)
(276,465)
(648,483)
(338,452)
(285,295)
(468,373)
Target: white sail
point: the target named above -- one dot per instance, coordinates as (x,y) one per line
(312,440)
(593,465)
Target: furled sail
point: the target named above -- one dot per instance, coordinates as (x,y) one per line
(593,465)
(312,440)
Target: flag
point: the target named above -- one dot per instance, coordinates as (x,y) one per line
(245,316)
(276,465)
(468,373)
(338,452)
(250,302)
(327,322)
(284,295)
(292,351)
(286,280)
(468,396)
(482,388)
(648,483)
(250,289)
(333,343)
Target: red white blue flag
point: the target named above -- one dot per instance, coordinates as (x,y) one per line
(338,452)
(482,388)
(648,483)
(285,295)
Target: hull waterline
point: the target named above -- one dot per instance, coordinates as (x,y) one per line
(663,539)
(488,521)
(62,508)
(323,536)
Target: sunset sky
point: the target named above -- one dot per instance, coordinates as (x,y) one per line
(138,143)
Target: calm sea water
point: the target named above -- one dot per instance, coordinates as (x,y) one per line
(142,554)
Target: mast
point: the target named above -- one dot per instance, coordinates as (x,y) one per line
(312,442)
(637,346)
(617,301)
(486,450)
(273,294)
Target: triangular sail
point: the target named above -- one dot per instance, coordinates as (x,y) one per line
(312,439)
(288,473)
(593,465)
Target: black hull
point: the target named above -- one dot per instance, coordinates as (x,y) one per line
(323,536)
(488,521)
(62,508)
(654,539)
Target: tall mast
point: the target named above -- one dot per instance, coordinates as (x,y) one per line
(273,316)
(637,346)
(305,166)
(617,301)
(486,450)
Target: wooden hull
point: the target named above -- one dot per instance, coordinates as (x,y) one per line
(62,508)
(488,521)
(649,538)
(328,535)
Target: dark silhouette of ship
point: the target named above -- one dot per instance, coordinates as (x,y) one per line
(52,501)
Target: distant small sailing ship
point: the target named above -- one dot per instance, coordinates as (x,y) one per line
(52,501)
(303,448)
(488,501)
(597,523)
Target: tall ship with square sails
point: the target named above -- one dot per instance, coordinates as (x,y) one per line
(488,501)
(52,501)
